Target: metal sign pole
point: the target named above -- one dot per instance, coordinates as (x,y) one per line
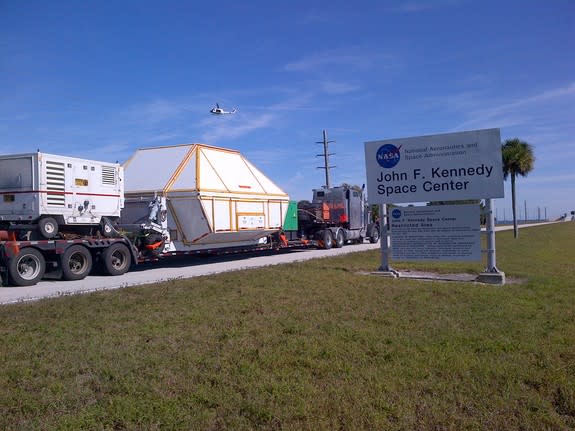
(385,269)
(491,274)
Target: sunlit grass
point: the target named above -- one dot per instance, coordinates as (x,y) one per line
(314,345)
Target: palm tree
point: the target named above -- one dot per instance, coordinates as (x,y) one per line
(518,159)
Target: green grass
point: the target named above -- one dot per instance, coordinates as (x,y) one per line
(314,346)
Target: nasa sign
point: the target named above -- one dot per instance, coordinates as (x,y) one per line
(450,166)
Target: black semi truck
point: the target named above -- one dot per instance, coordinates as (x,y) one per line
(336,216)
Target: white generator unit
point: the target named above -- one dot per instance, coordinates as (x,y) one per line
(200,197)
(49,192)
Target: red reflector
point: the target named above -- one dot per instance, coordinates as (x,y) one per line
(154,245)
(245,187)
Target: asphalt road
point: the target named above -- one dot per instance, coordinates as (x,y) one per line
(176,268)
(170,269)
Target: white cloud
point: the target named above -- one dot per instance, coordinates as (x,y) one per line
(157,110)
(12,118)
(422,6)
(294,103)
(224,129)
(162,137)
(519,111)
(414,7)
(268,157)
(335,87)
(535,180)
(331,58)
(110,152)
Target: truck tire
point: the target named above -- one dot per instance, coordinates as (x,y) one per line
(116,259)
(326,239)
(374,237)
(27,267)
(339,239)
(76,263)
(48,227)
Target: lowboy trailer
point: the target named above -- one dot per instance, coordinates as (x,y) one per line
(25,263)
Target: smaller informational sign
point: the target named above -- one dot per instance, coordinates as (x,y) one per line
(438,232)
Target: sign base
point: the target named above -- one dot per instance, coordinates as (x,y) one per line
(491,278)
(390,273)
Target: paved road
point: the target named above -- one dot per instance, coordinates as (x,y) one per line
(169,269)
(175,268)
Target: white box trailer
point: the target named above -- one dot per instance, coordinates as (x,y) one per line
(203,197)
(51,192)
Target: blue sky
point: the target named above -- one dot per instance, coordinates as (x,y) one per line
(98,79)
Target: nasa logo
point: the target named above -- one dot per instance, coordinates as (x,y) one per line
(388,156)
(396,213)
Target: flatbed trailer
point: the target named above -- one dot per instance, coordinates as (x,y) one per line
(25,263)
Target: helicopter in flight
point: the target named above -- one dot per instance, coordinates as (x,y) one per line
(220,111)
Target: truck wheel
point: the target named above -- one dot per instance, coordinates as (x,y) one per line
(116,259)
(27,268)
(339,239)
(48,227)
(374,236)
(76,263)
(327,239)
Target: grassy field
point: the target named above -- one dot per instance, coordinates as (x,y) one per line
(307,346)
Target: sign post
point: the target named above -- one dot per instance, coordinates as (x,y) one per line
(385,268)
(491,274)
(445,167)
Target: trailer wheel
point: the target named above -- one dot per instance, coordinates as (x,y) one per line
(374,235)
(327,239)
(116,259)
(339,239)
(76,263)
(48,227)
(27,267)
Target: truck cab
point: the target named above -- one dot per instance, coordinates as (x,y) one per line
(337,215)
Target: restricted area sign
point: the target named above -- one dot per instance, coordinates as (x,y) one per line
(445,167)
(437,232)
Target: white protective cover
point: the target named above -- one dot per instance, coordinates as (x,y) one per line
(76,191)
(215,196)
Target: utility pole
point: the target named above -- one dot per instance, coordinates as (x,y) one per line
(538,213)
(525,210)
(325,156)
